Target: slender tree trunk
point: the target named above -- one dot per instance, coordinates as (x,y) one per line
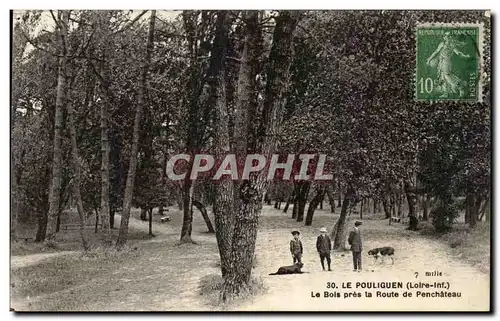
(144,213)
(82,216)
(179,200)
(410,196)
(62,87)
(331,199)
(203,211)
(386,207)
(295,210)
(339,200)
(302,199)
(105,151)
(313,205)
(361,209)
(289,200)
(96,220)
(187,219)
(150,211)
(341,230)
(42,227)
(129,187)
(425,207)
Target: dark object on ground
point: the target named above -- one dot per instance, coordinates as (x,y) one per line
(413,224)
(290,269)
(383,252)
(165,219)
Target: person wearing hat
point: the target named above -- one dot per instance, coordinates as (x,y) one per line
(296,247)
(356,243)
(324,246)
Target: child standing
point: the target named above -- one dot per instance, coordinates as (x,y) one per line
(296,247)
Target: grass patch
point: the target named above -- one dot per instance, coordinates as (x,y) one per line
(470,245)
(66,271)
(211,288)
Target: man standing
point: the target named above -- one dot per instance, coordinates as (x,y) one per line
(296,247)
(356,243)
(324,246)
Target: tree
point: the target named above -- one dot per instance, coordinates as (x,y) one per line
(129,188)
(62,87)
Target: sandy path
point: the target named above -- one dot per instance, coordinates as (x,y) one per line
(19,261)
(167,277)
(413,254)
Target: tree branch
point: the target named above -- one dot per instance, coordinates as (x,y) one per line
(131,22)
(31,42)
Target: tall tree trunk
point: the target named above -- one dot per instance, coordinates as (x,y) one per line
(203,211)
(224,196)
(129,187)
(302,199)
(314,204)
(248,197)
(62,87)
(295,210)
(150,211)
(374,206)
(144,213)
(331,199)
(187,199)
(82,216)
(288,201)
(361,209)
(341,230)
(42,227)
(410,196)
(426,207)
(386,207)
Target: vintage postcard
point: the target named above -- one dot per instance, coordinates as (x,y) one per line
(235,160)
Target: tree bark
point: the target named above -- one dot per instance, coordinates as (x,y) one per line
(425,208)
(331,199)
(341,230)
(129,187)
(361,209)
(386,207)
(62,87)
(410,196)
(150,211)
(203,211)
(144,213)
(82,216)
(289,200)
(295,209)
(313,205)
(248,197)
(302,199)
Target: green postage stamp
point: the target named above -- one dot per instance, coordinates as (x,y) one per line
(449,62)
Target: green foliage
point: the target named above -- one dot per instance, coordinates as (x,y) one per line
(443,217)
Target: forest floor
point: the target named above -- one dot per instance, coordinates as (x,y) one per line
(156,274)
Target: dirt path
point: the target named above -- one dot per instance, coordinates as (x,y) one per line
(19,261)
(414,254)
(161,276)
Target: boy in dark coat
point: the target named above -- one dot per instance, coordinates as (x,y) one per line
(296,248)
(356,243)
(324,246)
